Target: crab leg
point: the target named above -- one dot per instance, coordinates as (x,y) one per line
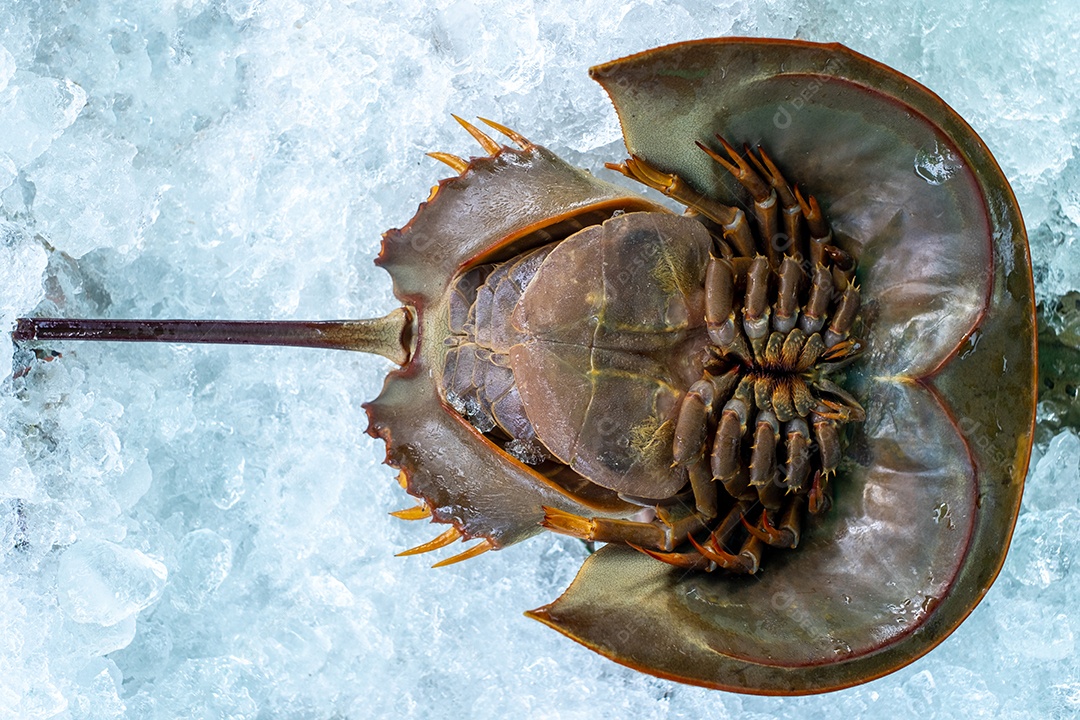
(710,555)
(787,534)
(732,220)
(827,438)
(843,317)
(691,431)
(739,168)
(704,487)
(719,295)
(692,425)
(756,307)
(737,232)
(821,290)
(820,235)
(689,444)
(797,466)
(738,485)
(791,521)
(847,410)
(820,497)
(787,302)
(663,533)
(686,561)
(746,562)
(843,266)
(764,197)
(720,319)
(749,557)
(791,212)
(727,445)
(842,350)
(763,471)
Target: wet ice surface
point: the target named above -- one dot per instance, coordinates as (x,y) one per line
(202,532)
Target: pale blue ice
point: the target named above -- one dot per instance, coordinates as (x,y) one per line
(203,531)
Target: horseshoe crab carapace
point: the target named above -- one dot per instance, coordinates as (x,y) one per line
(819,364)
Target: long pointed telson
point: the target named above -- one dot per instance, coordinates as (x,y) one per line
(390,336)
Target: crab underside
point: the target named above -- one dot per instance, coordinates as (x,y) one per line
(771,368)
(683,363)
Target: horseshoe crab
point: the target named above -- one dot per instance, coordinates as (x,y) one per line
(819,364)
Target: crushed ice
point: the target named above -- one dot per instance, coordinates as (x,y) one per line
(203,531)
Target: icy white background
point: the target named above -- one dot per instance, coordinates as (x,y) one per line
(202,532)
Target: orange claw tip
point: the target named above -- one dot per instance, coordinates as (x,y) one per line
(478,549)
(650,553)
(458,164)
(722,558)
(768,160)
(414,513)
(758,165)
(686,561)
(701,548)
(802,202)
(761,534)
(669,558)
(731,151)
(443,540)
(819,501)
(767,526)
(770,535)
(517,137)
(727,146)
(716,156)
(490,146)
(763,157)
